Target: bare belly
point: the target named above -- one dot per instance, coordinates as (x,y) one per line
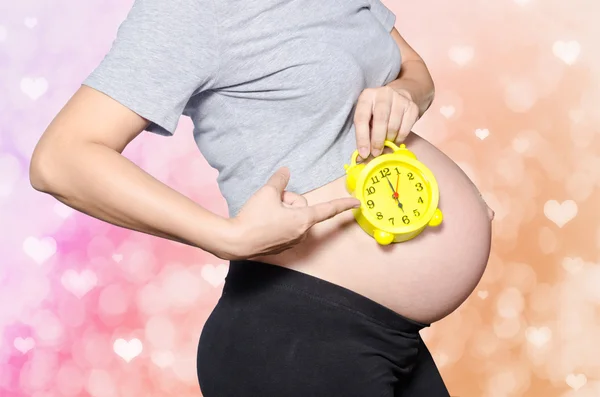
(424,279)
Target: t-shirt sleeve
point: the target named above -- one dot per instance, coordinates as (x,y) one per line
(383,14)
(164,52)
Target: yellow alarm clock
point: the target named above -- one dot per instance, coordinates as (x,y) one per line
(399,195)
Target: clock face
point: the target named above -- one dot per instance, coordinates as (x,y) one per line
(396,195)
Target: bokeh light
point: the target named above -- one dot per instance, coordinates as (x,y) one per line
(88,309)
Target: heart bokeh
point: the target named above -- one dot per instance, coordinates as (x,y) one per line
(88,309)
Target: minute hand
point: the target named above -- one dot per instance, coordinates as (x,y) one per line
(395,195)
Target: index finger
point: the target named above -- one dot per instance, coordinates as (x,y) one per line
(323,211)
(362,120)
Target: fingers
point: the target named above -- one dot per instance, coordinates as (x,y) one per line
(279,179)
(362,118)
(383,114)
(382,109)
(395,122)
(293,199)
(323,211)
(409,118)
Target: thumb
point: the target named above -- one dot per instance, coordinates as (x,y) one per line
(279,179)
(294,199)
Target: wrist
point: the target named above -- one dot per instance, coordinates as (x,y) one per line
(229,239)
(420,93)
(215,234)
(405,92)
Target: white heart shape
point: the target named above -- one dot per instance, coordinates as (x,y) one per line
(461,55)
(24,344)
(128,350)
(79,284)
(39,249)
(482,133)
(447,111)
(117,257)
(572,265)
(576,381)
(561,213)
(163,359)
(3,33)
(538,336)
(567,51)
(64,211)
(482,294)
(34,88)
(214,275)
(31,22)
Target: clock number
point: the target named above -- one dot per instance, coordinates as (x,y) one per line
(379,216)
(405,220)
(410,176)
(419,186)
(397,171)
(371,204)
(370,190)
(420,200)
(374,179)
(416,213)
(391,221)
(385,172)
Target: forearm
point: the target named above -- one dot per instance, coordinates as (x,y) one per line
(415,80)
(102,183)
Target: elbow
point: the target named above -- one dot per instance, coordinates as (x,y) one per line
(40,170)
(47,167)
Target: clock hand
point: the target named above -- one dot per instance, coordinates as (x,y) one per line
(399,203)
(392,187)
(395,195)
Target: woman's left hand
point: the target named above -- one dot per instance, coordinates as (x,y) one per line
(393,114)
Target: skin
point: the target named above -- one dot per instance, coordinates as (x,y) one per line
(79,161)
(395,107)
(426,278)
(78,158)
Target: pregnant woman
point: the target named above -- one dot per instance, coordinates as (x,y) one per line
(281,93)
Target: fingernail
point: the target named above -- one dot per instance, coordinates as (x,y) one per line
(376,152)
(364,152)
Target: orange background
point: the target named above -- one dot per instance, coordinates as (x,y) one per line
(517,107)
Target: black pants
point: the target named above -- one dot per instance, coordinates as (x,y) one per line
(276,332)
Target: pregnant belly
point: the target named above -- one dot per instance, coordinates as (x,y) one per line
(425,278)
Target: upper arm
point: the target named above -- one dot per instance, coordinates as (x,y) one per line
(90,116)
(164,52)
(406,51)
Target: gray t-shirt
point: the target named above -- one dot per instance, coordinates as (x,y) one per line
(267,83)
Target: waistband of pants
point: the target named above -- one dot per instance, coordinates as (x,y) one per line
(246,273)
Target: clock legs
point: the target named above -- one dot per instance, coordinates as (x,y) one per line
(383,238)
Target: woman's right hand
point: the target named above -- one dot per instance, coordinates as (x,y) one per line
(273,219)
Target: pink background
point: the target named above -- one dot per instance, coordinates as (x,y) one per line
(88,309)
